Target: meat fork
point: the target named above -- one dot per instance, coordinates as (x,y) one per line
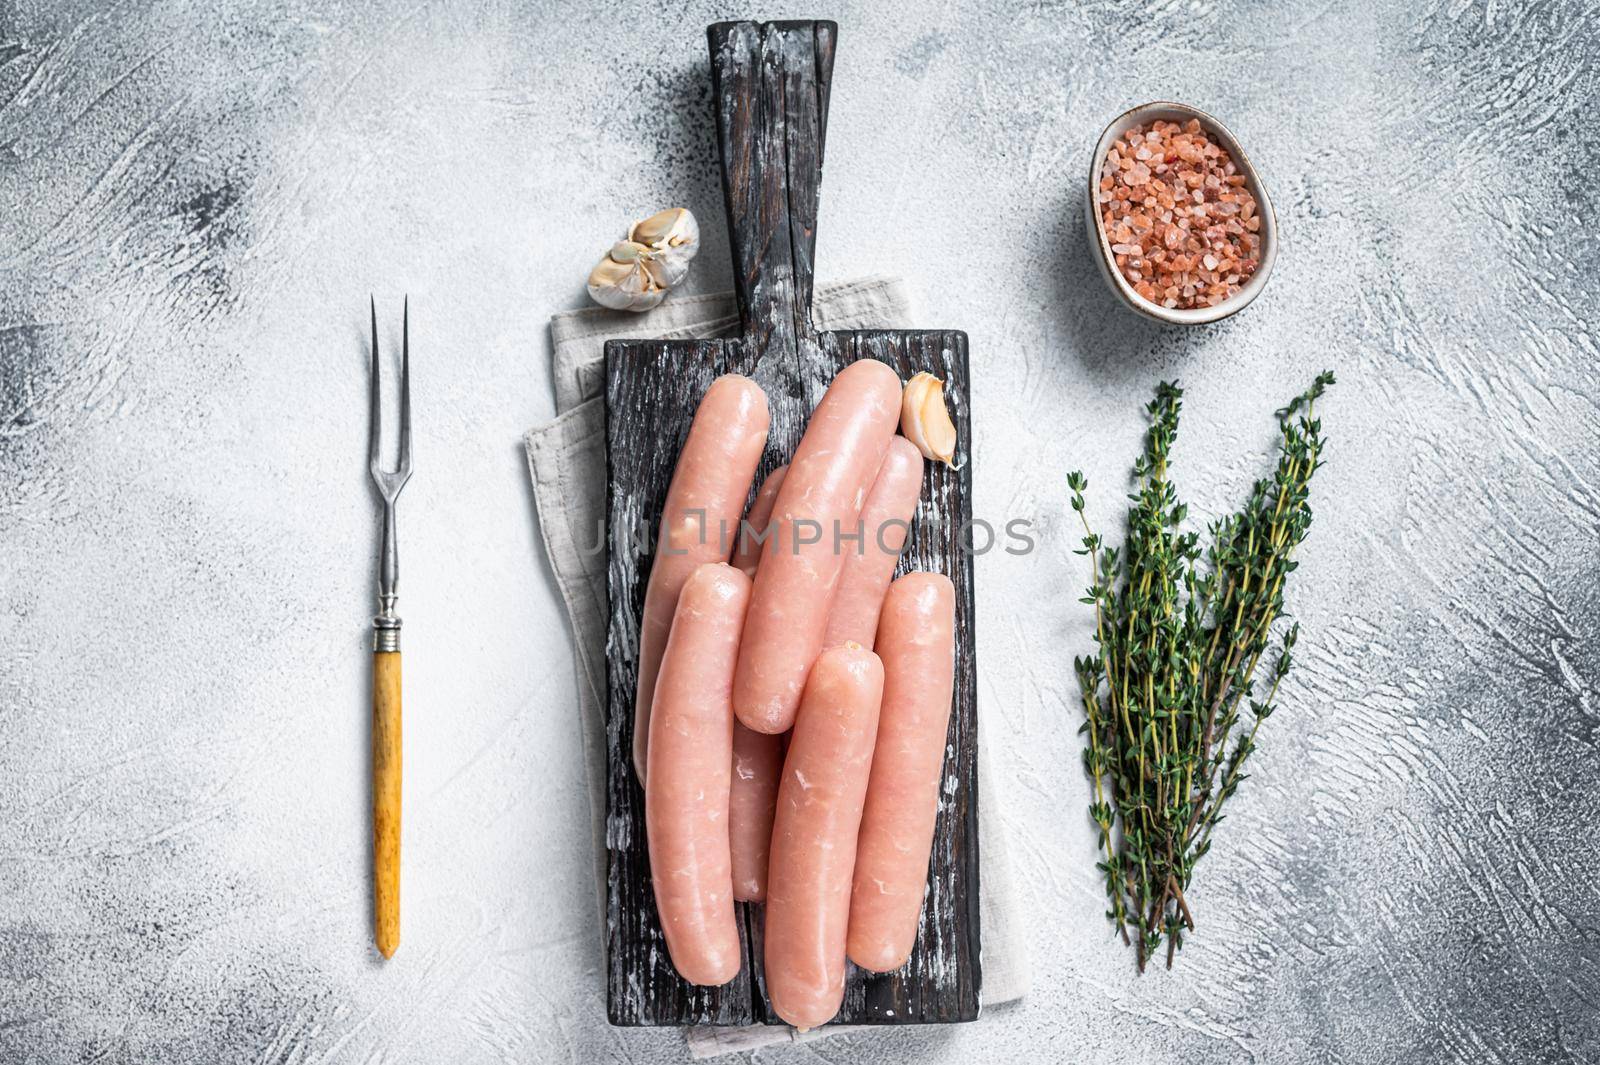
(386,654)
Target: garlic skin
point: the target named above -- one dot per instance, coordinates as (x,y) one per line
(925,421)
(637,273)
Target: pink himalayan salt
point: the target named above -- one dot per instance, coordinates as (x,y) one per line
(1181,220)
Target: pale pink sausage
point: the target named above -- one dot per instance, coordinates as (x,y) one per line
(824,490)
(757,768)
(753,533)
(868,565)
(700,520)
(916,639)
(814,837)
(757,756)
(686,789)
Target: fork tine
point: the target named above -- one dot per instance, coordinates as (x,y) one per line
(405,391)
(376,401)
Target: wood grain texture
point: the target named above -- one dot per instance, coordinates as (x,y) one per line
(386,801)
(771,88)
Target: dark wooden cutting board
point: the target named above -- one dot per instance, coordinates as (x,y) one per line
(771,92)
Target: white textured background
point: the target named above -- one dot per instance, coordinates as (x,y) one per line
(195,201)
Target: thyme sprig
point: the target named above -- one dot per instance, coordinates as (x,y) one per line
(1180,636)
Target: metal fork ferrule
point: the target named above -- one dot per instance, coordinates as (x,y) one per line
(386,632)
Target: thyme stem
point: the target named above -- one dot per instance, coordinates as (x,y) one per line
(1180,635)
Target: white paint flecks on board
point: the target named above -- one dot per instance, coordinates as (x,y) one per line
(199,198)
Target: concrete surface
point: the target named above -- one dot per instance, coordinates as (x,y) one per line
(197,200)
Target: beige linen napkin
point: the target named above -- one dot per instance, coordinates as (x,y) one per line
(566,459)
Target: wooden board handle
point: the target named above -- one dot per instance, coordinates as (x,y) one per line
(386,800)
(770,82)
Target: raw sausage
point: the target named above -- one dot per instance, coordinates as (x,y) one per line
(690,766)
(822,494)
(814,836)
(757,767)
(700,519)
(916,638)
(867,566)
(757,756)
(747,551)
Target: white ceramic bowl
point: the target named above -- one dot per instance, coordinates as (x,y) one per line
(1173,112)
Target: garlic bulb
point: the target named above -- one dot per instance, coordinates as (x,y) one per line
(925,421)
(636,273)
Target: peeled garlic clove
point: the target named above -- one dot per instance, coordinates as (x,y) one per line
(673,228)
(925,421)
(624,286)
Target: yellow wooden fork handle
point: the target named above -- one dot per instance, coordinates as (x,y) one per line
(386,800)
